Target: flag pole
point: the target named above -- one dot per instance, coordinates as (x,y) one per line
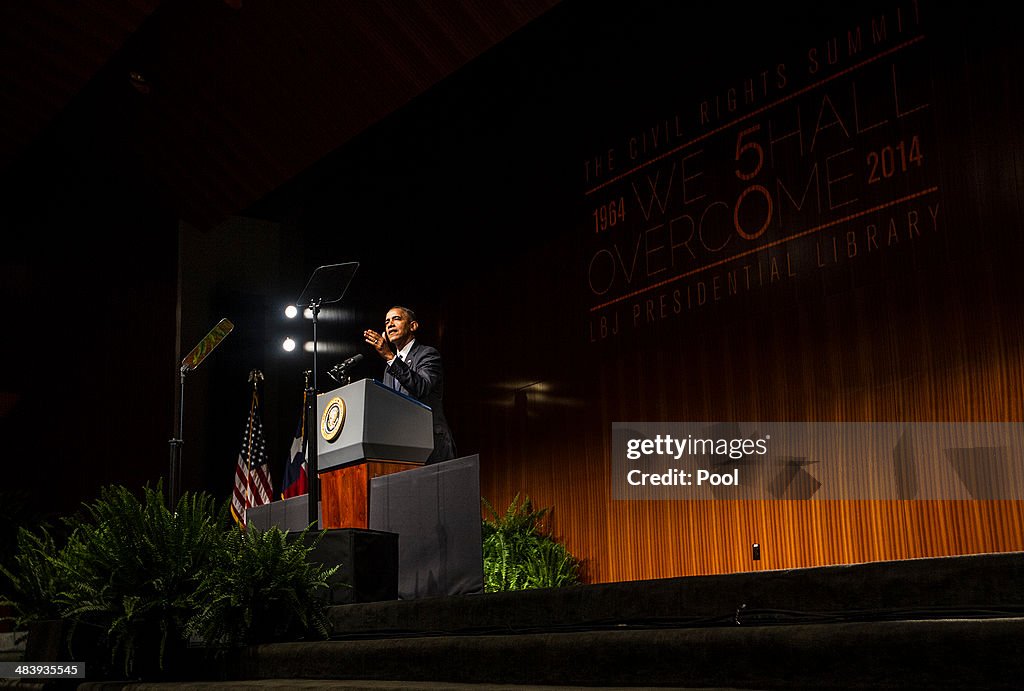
(253,485)
(292,481)
(255,377)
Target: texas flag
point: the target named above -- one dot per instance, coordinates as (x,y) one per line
(295,480)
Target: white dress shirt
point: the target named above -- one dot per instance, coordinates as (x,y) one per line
(403,353)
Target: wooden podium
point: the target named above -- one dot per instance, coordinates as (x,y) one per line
(366,430)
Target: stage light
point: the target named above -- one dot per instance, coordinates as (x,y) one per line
(289,344)
(307,313)
(308,346)
(290,311)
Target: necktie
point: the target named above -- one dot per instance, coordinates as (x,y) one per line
(394,382)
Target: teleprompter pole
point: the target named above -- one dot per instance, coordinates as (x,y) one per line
(311,437)
(327,284)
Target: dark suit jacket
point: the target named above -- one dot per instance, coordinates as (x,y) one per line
(422,377)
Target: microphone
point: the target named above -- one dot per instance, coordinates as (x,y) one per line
(351,361)
(338,371)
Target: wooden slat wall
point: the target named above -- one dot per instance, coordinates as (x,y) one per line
(629,540)
(927,353)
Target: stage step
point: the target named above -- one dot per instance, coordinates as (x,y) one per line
(934,654)
(355,685)
(12,647)
(967,655)
(949,623)
(905,589)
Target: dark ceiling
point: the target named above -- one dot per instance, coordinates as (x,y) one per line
(215,103)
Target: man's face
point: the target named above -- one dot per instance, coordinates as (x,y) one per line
(398,328)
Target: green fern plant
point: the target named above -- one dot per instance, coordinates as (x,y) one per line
(262,588)
(146,577)
(35,578)
(519,552)
(551,566)
(137,566)
(17,510)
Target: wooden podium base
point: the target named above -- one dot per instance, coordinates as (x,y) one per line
(345,492)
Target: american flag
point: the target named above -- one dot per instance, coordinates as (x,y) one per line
(253,486)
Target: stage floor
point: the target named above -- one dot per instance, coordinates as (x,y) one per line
(939,623)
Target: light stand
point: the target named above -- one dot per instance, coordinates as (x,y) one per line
(217,334)
(176,442)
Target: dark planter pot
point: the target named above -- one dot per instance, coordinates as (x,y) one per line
(6,614)
(48,641)
(180,661)
(149,666)
(61,640)
(274,622)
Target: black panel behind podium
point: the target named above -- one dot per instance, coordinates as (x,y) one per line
(367,563)
(436,512)
(367,559)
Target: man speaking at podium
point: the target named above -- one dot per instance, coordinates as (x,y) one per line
(415,370)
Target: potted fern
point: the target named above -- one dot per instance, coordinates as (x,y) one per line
(520,553)
(261,588)
(144,578)
(33,579)
(137,565)
(32,585)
